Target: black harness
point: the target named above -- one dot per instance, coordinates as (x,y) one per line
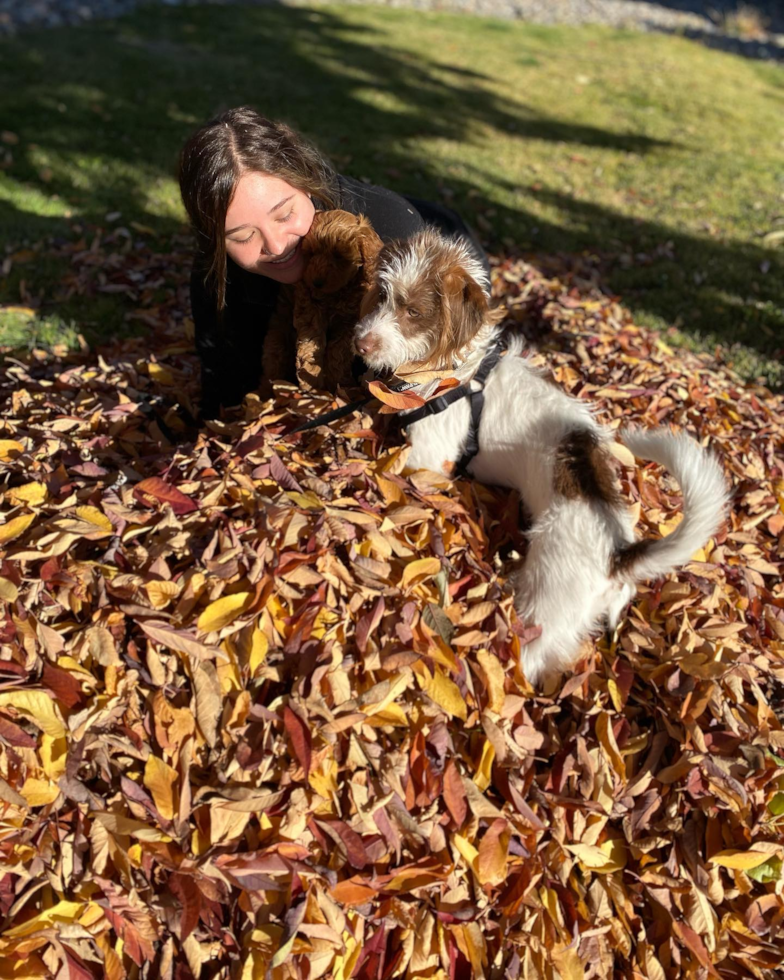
(433,407)
(477,396)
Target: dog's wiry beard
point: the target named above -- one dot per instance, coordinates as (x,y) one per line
(395,349)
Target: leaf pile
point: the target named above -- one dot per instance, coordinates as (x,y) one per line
(260,714)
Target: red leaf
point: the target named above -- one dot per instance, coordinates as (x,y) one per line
(14,735)
(76,968)
(64,686)
(356,855)
(368,623)
(454,793)
(155,487)
(299,733)
(136,946)
(186,891)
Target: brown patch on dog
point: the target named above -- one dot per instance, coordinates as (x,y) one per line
(626,558)
(583,469)
(370,300)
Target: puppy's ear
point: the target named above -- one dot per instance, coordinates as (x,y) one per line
(370,300)
(369,244)
(465,310)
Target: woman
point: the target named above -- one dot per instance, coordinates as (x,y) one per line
(251,187)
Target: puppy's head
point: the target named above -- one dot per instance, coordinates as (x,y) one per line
(427,302)
(337,246)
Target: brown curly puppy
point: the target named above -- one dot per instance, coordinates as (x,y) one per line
(340,251)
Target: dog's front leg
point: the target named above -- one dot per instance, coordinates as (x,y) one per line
(339,359)
(277,357)
(311,342)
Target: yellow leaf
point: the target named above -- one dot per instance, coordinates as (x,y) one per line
(64,911)
(626,456)
(467,850)
(445,693)
(397,684)
(494,672)
(39,707)
(115,823)
(344,962)
(8,591)
(54,754)
(259,645)
(324,779)
(493,853)
(224,611)
(393,714)
(568,964)
(615,694)
(91,515)
(471,941)
(160,779)
(420,569)
(607,857)
(160,374)
(484,772)
(161,593)
(607,741)
(10,449)
(39,792)
(393,494)
(32,494)
(307,500)
(739,860)
(16,526)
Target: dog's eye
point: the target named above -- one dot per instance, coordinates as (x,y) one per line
(413,313)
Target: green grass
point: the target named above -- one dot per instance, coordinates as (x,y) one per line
(550,139)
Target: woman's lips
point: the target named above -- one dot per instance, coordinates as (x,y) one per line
(289,259)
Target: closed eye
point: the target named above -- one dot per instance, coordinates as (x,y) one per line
(413,313)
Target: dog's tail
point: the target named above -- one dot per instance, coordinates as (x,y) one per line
(705,504)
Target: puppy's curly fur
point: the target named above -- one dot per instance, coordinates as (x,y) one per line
(340,252)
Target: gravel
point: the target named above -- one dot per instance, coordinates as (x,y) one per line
(703,21)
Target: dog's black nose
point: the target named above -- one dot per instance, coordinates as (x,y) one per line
(318,283)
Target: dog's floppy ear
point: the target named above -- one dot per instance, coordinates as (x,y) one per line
(369,244)
(465,310)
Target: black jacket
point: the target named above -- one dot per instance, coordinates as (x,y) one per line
(230,346)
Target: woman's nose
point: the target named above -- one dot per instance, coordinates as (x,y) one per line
(275,244)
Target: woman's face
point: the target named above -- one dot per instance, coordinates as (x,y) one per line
(265,222)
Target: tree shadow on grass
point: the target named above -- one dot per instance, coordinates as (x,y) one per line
(100,113)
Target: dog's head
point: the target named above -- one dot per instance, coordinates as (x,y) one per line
(337,246)
(428,301)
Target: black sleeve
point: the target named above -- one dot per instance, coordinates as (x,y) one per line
(229,345)
(391,215)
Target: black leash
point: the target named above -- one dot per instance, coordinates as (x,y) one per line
(339,413)
(336,413)
(432,407)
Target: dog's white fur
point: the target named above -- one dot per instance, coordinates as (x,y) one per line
(579,569)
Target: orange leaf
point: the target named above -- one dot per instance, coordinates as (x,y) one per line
(155,487)
(493,851)
(352,892)
(398,400)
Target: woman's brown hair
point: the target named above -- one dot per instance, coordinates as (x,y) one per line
(236,142)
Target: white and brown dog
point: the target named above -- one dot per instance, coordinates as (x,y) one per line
(428,310)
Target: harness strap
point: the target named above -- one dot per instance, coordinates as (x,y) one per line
(440,404)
